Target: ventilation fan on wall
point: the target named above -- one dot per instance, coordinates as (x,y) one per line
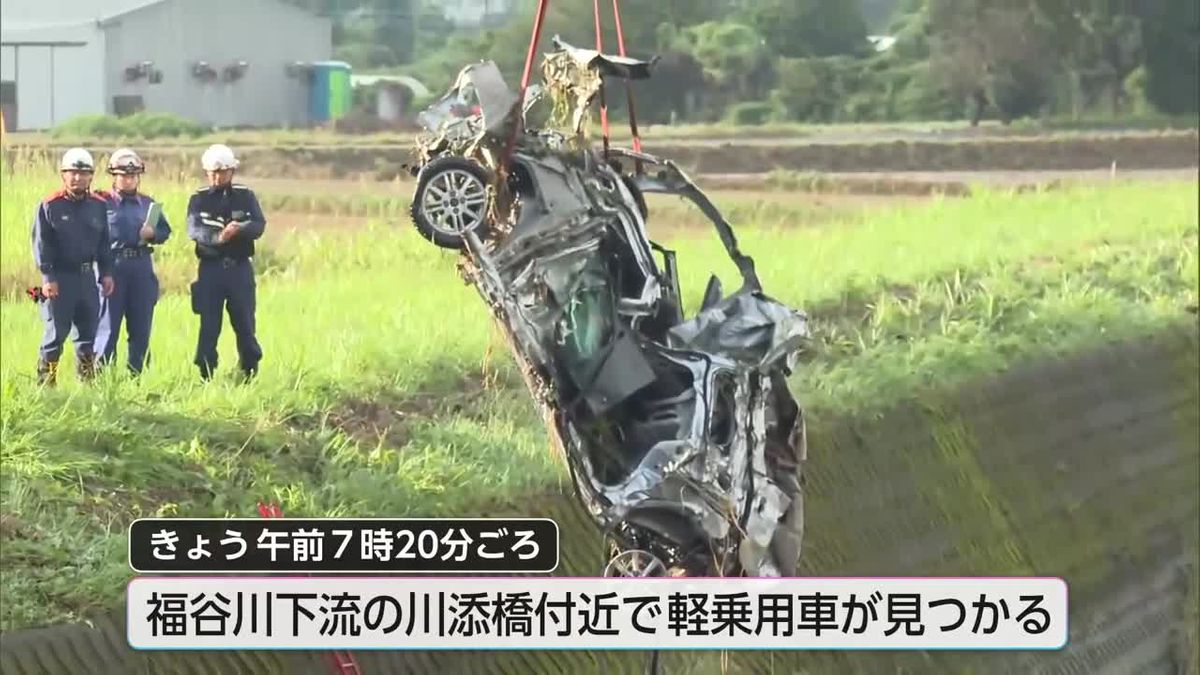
(298,69)
(235,71)
(144,69)
(203,72)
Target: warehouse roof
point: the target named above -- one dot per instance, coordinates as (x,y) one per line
(25,14)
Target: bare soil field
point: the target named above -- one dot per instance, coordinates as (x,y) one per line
(1144,151)
(851,152)
(778,185)
(950,183)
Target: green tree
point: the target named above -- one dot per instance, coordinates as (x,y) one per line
(433,29)
(1096,44)
(677,71)
(804,92)
(394,22)
(730,53)
(1171,35)
(574,22)
(677,92)
(878,14)
(799,28)
(997,51)
(899,83)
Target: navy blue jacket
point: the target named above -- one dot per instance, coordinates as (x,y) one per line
(70,231)
(222,205)
(127,214)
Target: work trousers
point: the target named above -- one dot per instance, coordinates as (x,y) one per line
(225,285)
(135,293)
(76,307)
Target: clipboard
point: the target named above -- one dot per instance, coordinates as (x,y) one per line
(153,214)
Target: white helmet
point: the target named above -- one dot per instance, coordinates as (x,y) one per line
(218,157)
(77,159)
(125,161)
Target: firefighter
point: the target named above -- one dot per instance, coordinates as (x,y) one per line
(133,237)
(71,250)
(225,219)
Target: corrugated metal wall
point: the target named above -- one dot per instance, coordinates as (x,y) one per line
(54,87)
(177,34)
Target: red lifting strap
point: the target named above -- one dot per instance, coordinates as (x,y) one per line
(533,43)
(637,140)
(603,105)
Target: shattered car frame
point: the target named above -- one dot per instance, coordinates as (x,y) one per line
(681,435)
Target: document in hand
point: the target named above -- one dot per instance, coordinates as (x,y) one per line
(153,214)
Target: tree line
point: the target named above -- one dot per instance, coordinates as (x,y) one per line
(756,61)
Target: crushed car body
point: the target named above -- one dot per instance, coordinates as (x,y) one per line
(681,435)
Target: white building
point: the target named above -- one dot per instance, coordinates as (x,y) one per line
(220,62)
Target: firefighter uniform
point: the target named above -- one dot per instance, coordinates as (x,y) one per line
(225,275)
(71,250)
(136,289)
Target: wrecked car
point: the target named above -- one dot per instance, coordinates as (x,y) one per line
(682,438)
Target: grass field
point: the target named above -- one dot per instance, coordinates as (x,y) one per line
(386,391)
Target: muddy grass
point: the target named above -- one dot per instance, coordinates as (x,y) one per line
(386,419)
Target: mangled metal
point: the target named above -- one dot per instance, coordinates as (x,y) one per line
(680,434)
(574,76)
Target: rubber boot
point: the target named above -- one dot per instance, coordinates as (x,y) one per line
(47,372)
(86,367)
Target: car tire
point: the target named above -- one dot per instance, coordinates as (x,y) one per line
(451,198)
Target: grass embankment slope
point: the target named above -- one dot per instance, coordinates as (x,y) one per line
(386,391)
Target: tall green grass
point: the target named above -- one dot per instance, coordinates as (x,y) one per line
(386,390)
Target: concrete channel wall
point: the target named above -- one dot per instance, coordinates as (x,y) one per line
(1086,468)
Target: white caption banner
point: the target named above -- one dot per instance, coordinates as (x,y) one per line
(596,613)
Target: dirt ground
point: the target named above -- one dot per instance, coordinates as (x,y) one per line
(847,151)
(859,183)
(943,182)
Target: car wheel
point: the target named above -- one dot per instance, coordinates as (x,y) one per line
(635,563)
(451,199)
